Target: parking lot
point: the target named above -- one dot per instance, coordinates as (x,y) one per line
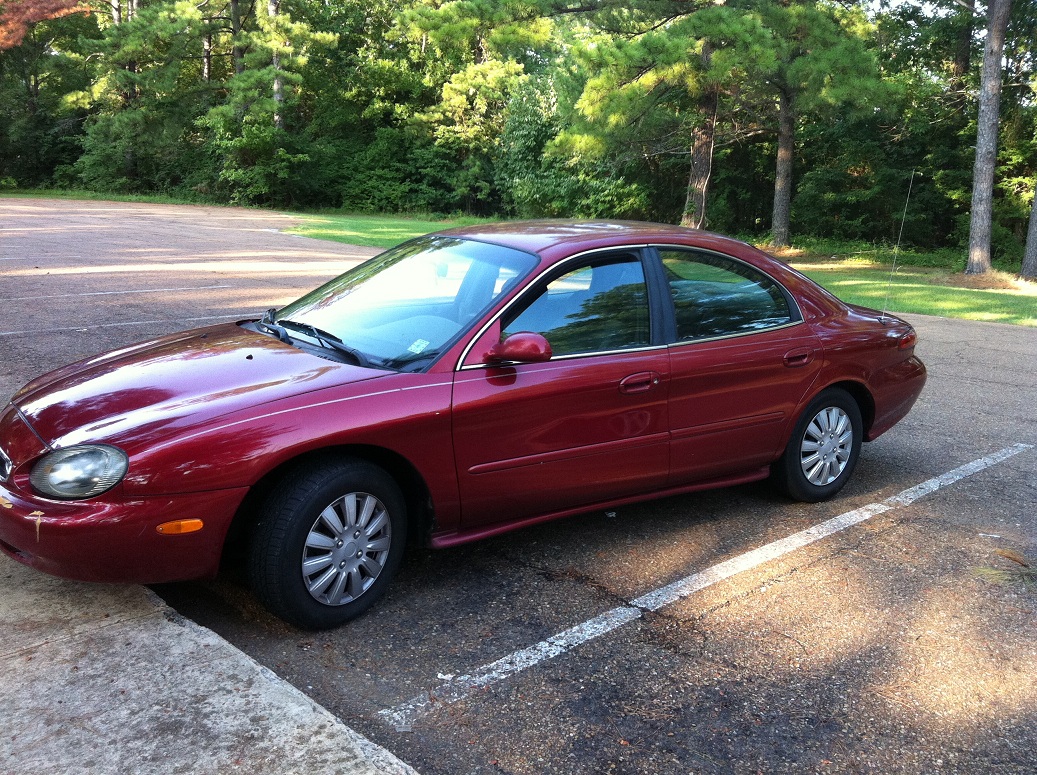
(705,633)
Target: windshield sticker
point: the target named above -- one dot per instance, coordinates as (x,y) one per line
(419,346)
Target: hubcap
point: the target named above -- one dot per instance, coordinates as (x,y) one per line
(346,548)
(825,449)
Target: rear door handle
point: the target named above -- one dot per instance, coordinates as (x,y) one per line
(800,357)
(641,382)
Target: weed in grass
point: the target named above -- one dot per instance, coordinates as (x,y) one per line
(1021,572)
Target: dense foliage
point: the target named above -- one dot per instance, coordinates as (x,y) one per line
(744,116)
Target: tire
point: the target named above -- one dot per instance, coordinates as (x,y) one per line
(823,450)
(327,543)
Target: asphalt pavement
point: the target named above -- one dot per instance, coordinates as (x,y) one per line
(879,647)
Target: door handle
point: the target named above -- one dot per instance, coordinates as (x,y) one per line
(641,382)
(801,357)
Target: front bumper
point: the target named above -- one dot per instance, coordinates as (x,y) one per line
(111,537)
(116,539)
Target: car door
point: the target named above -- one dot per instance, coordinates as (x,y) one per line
(587,426)
(741,363)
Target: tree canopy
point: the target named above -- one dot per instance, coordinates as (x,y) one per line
(776,118)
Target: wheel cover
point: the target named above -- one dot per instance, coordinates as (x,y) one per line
(826,446)
(346,548)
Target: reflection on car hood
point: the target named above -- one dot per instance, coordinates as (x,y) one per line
(178,381)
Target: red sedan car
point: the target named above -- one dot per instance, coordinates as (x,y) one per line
(460,385)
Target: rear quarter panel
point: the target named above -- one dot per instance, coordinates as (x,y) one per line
(862,346)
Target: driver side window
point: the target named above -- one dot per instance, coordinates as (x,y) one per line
(597,306)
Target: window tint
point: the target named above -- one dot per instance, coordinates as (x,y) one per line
(598,306)
(717,296)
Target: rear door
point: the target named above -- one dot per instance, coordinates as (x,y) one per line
(742,362)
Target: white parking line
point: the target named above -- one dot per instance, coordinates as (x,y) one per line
(116,293)
(459,687)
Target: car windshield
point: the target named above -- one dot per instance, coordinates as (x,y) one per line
(403,307)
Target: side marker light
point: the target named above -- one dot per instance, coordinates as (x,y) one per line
(180,526)
(907,340)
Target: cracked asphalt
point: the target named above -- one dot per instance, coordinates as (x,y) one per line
(881,648)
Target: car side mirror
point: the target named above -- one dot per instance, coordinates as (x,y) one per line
(523,347)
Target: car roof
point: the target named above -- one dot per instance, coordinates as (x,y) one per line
(556,239)
(541,235)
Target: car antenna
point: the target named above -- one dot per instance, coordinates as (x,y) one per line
(896,248)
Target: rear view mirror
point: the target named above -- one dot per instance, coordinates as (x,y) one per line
(523,347)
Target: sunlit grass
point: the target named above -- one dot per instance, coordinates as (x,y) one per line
(927,291)
(94,196)
(380,231)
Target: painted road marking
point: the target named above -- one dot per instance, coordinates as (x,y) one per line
(116,293)
(450,691)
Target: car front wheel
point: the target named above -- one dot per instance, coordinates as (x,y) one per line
(823,450)
(327,543)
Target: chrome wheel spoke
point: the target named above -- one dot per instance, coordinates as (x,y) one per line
(369,506)
(318,586)
(378,544)
(316,564)
(330,518)
(371,565)
(349,509)
(814,473)
(377,525)
(319,541)
(355,584)
(334,595)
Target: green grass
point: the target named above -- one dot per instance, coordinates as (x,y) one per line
(847,270)
(77,195)
(380,231)
(926,291)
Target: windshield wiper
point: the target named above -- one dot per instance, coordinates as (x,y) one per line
(268,323)
(327,340)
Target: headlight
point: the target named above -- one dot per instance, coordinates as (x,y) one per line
(79,472)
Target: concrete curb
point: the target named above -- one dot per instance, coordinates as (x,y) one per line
(109,679)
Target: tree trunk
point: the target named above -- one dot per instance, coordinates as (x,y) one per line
(962,61)
(701,163)
(783,175)
(237,55)
(272,10)
(207,57)
(986,140)
(1029,270)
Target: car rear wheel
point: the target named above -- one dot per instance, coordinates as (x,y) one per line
(327,543)
(823,450)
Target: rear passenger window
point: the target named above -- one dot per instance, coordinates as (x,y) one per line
(718,296)
(597,306)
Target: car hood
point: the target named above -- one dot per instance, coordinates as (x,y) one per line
(151,390)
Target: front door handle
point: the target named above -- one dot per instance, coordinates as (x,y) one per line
(641,382)
(800,357)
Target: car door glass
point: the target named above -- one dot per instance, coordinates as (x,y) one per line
(717,296)
(594,307)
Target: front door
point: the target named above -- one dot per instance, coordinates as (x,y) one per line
(588,426)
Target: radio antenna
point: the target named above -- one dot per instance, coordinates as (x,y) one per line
(896,248)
